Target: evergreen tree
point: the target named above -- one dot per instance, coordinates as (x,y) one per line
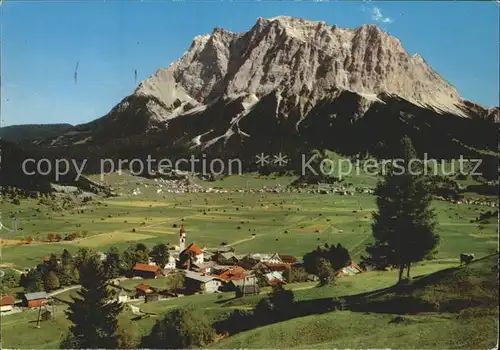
(53,264)
(180,329)
(141,254)
(32,281)
(112,264)
(93,314)
(66,259)
(51,281)
(403,227)
(66,270)
(128,258)
(159,254)
(324,271)
(83,256)
(339,257)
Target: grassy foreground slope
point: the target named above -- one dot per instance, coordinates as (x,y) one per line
(472,322)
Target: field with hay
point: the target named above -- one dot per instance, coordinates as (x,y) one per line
(250,221)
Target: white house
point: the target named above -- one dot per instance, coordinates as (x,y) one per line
(202,282)
(170,264)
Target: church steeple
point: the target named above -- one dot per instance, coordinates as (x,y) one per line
(182,238)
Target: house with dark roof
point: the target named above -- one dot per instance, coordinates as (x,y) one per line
(225,258)
(146,271)
(35,299)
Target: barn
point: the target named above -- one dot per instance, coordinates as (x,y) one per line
(35,299)
(146,271)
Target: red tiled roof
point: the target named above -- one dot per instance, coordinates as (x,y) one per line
(146,267)
(233,274)
(7,300)
(193,248)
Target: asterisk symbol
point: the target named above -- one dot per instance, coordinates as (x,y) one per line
(262,159)
(280,159)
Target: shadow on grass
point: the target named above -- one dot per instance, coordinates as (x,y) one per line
(450,290)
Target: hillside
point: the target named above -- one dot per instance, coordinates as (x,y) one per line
(457,328)
(29,133)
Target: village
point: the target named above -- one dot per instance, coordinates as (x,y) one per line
(202,270)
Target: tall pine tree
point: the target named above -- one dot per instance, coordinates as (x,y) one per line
(404,225)
(93,314)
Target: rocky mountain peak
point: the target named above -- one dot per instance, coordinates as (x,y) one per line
(296,54)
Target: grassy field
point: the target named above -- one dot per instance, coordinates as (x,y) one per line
(287,223)
(466,298)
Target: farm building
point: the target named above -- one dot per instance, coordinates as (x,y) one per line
(227,258)
(247,289)
(152,297)
(274,277)
(35,299)
(6,303)
(352,269)
(146,271)
(200,282)
(141,290)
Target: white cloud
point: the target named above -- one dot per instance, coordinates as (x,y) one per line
(379,17)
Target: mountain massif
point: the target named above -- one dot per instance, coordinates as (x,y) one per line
(289,85)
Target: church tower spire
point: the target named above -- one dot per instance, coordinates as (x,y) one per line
(182,238)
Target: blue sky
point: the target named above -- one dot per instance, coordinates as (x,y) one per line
(42,43)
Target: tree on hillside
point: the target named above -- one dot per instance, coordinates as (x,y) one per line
(135,254)
(339,257)
(141,254)
(403,227)
(180,329)
(11,278)
(177,281)
(66,258)
(336,256)
(83,256)
(53,263)
(159,254)
(282,301)
(65,273)
(112,264)
(51,281)
(128,258)
(32,281)
(93,314)
(324,271)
